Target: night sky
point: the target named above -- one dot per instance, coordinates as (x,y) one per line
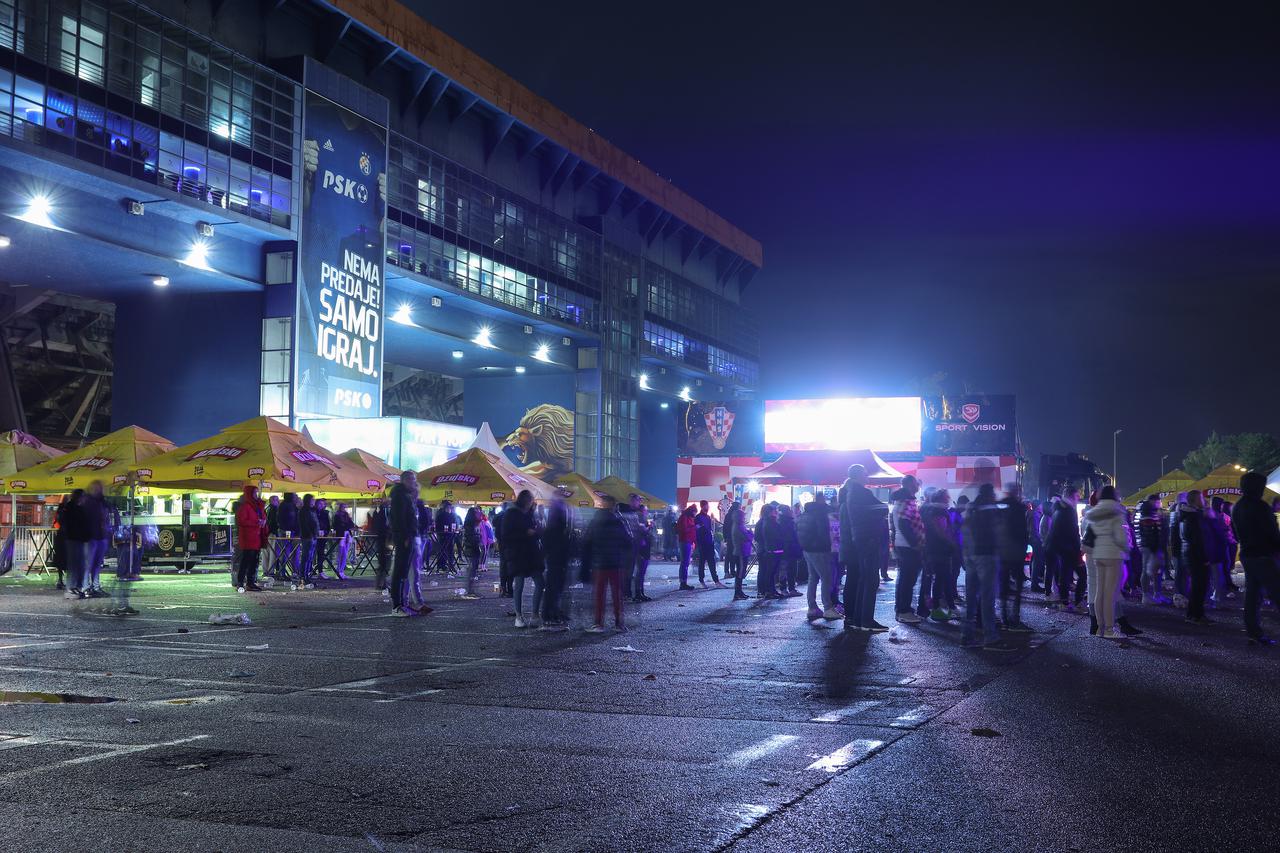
(1079,205)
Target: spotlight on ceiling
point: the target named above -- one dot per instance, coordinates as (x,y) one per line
(457,353)
(664,405)
(38,211)
(684,394)
(160,280)
(403,315)
(644,382)
(482,338)
(4,241)
(519,368)
(198,256)
(542,353)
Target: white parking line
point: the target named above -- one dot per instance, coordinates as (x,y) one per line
(847,711)
(912,718)
(115,751)
(846,756)
(756,751)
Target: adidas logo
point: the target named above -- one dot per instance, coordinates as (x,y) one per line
(328,145)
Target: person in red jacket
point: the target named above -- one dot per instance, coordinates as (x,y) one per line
(251,532)
(687,534)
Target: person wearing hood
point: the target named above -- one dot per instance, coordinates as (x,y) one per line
(1193,532)
(520,538)
(308,530)
(1151,542)
(557,545)
(251,534)
(1106,540)
(1259,538)
(287,529)
(814,532)
(769,546)
(705,534)
(792,553)
(863,531)
(939,551)
(1064,548)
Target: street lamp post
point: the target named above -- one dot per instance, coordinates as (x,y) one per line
(1115,474)
(1162,458)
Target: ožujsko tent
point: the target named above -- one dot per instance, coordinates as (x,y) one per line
(19,450)
(476,476)
(1224,482)
(111,459)
(620,490)
(578,491)
(1172,483)
(825,468)
(389,474)
(485,440)
(263,452)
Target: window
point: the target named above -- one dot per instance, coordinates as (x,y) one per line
(277,366)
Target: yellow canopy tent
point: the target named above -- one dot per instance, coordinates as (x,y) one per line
(1175,481)
(264,452)
(19,450)
(578,491)
(111,459)
(476,476)
(620,490)
(1224,482)
(389,474)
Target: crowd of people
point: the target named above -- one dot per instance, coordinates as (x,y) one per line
(1096,560)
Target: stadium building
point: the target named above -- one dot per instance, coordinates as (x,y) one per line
(331,213)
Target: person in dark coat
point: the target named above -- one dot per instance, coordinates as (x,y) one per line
(606,551)
(380,528)
(101,530)
(642,535)
(557,538)
(474,547)
(1259,537)
(705,535)
(687,531)
(813,531)
(519,537)
(324,528)
(864,530)
(1064,549)
(939,553)
(79,536)
(344,527)
(446,528)
(58,559)
(403,518)
(1011,574)
(308,530)
(792,560)
(1194,535)
(769,548)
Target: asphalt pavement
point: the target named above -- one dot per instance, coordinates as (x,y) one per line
(327,725)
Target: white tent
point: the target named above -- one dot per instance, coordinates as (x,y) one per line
(485,441)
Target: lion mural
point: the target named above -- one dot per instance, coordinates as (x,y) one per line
(543,442)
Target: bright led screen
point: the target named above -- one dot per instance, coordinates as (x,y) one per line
(882,424)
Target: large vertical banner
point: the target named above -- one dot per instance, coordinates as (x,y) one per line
(341,283)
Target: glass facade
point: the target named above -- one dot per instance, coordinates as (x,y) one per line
(115,85)
(666,342)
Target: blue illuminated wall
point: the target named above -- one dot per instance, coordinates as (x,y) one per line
(657,447)
(186,365)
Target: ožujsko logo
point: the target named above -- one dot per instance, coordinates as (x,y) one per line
(719,424)
(288,474)
(144,473)
(970,412)
(306,457)
(221,452)
(93,463)
(464,479)
(256,472)
(373,485)
(17,484)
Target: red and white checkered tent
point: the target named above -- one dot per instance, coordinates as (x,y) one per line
(710,478)
(962,475)
(825,468)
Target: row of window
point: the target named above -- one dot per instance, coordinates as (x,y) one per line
(446,262)
(677,300)
(130,91)
(708,358)
(446,195)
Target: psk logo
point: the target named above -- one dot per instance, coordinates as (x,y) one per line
(366,165)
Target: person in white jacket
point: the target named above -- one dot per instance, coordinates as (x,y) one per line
(1110,535)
